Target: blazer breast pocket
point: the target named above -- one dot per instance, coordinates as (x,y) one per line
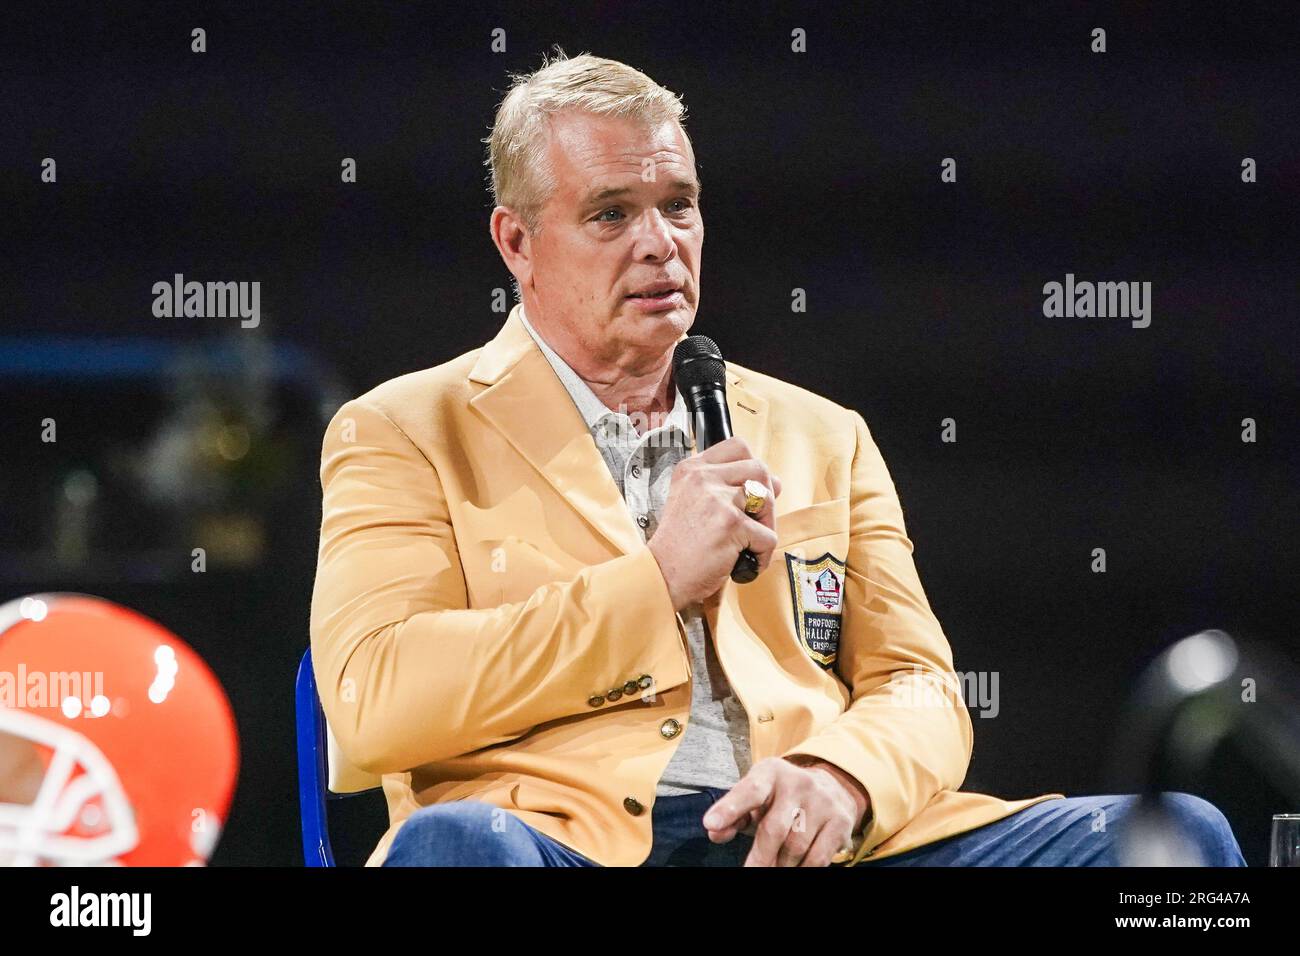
(823,519)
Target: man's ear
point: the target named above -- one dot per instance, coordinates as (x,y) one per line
(512,240)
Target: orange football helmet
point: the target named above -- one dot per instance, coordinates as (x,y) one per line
(136,736)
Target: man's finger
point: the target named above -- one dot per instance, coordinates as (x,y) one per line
(803,830)
(734,448)
(761,489)
(737,472)
(735,807)
(727,834)
(759,538)
(752,793)
(772,833)
(825,846)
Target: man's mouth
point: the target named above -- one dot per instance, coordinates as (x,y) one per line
(655,292)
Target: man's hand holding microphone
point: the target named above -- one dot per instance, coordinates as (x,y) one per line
(709,510)
(704,524)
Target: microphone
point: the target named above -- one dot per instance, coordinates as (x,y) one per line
(701,377)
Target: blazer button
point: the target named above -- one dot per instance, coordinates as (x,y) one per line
(670,729)
(614,694)
(642,520)
(633,806)
(644,681)
(631,687)
(595,700)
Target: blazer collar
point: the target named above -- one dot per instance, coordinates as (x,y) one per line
(526,401)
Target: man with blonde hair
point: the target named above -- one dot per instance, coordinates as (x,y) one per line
(524,620)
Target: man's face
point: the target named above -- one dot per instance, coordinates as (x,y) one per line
(608,232)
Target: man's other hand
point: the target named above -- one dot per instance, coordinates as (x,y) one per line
(805,810)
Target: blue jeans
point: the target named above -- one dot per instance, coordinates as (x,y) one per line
(1072,831)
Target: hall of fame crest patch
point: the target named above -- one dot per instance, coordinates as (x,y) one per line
(817,595)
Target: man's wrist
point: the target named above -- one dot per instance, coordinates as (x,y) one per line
(677,600)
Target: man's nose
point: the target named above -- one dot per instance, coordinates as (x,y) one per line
(653,237)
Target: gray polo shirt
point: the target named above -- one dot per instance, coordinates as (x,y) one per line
(714,749)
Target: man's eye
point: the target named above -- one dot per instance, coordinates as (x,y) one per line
(685,204)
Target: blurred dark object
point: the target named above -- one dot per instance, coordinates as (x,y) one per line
(1202,693)
(139,451)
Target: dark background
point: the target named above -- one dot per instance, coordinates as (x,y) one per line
(821,171)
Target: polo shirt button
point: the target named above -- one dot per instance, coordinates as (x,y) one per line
(633,806)
(642,520)
(636,471)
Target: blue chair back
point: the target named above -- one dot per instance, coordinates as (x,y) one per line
(313,774)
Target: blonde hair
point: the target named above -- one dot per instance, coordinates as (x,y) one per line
(517,148)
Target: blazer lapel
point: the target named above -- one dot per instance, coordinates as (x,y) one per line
(530,406)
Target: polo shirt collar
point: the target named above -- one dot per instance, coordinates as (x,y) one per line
(592,409)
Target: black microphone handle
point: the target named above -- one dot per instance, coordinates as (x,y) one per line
(712,418)
(713,425)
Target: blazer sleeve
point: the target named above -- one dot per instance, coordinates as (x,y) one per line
(906,734)
(408,674)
